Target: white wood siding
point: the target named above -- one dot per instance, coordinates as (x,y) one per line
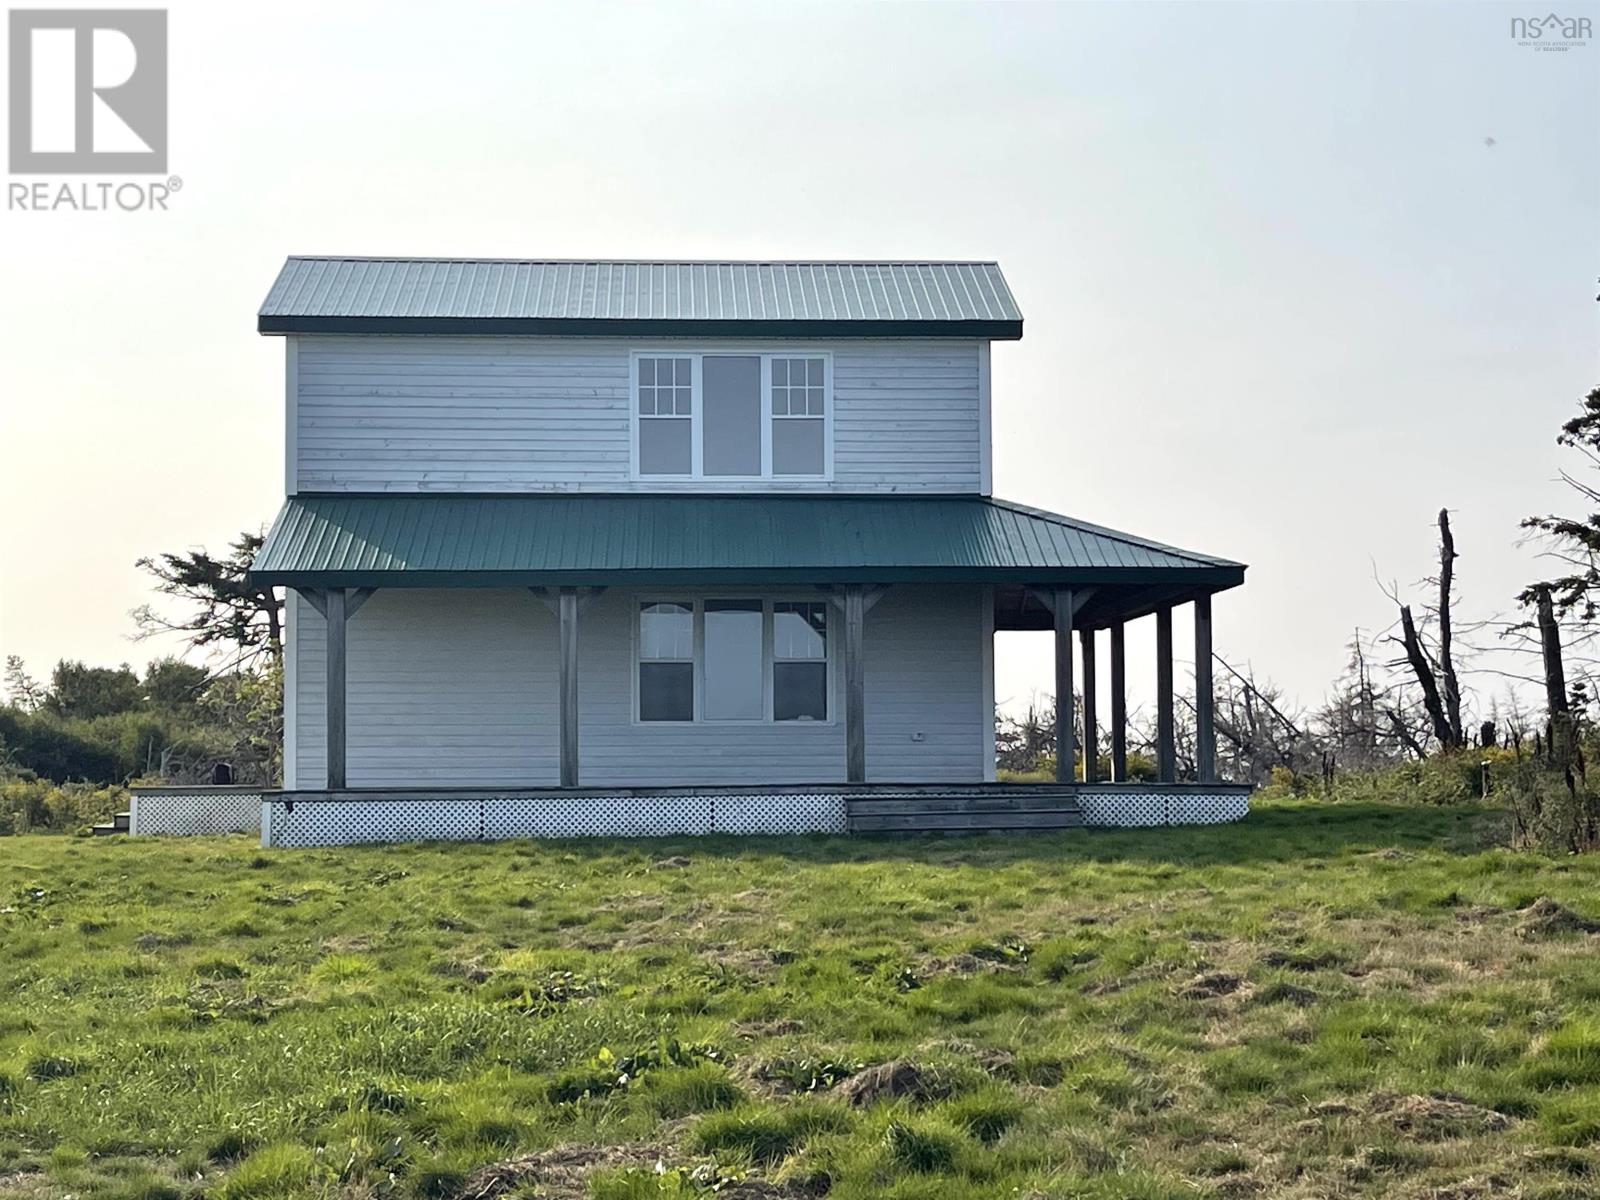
(452,688)
(458,687)
(531,414)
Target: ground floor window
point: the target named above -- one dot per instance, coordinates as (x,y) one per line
(733,659)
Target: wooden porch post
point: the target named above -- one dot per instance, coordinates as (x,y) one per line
(567,614)
(1205,728)
(1166,754)
(855,684)
(1119,703)
(333,601)
(337,606)
(1066,751)
(1091,732)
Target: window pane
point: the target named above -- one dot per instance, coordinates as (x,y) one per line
(730,391)
(814,372)
(797,447)
(814,401)
(666,691)
(732,660)
(683,401)
(647,370)
(800,630)
(780,371)
(799,691)
(664,446)
(666,631)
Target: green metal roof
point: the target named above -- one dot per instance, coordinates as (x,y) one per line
(597,539)
(420,295)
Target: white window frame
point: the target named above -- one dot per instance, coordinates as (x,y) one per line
(698,603)
(696,410)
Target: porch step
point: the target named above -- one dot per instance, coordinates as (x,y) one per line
(963,804)
(119,823)
(968,813)
(965,822)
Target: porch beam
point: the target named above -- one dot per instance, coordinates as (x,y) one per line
(567,616)
(1047,597)
(551,599)
(854,603)
(1166,752)
(335,615)
(356,599)
(1061,604)
(870,595)
(1091,732)
(1119,703)
(1205,727)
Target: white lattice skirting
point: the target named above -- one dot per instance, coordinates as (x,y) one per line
(346,822)
(188,814)
(1140,808)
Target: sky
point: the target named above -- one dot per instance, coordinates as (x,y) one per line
(1295,276)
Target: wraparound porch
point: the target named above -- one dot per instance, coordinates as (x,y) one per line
(516,643)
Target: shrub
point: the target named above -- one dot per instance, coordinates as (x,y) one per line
(39,806)
(1550,809)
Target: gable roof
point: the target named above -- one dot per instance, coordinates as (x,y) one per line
(626,297)
(411,540)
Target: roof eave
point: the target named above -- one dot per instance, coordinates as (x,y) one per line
(1201,579)
(278,324)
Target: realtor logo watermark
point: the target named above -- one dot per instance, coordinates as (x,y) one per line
(88,92)
(1551,32)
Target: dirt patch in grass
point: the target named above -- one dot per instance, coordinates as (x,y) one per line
(358,943)
(1436,1118)
(1545,918)
(1286,993)
(1208,985)
(1300,960)
(562,1173)
(1473,1188)
(894,1080)
(963,965)
(754,1030)
(161,941)
(1423,1118)
(470,969)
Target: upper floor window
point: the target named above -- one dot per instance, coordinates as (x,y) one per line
(733,416)
(666,405)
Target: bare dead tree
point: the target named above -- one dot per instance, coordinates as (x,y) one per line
(1422,669)
(1435,671)
(1555,681)
(1447,667)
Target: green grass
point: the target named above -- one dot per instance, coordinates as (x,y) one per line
(1327,1000)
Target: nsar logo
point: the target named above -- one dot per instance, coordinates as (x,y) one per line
(1551,32)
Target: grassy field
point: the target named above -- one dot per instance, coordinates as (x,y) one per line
(1325,1001)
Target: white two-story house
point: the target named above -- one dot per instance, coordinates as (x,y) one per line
(591,547)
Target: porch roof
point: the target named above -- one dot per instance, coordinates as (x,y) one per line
(614,539)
